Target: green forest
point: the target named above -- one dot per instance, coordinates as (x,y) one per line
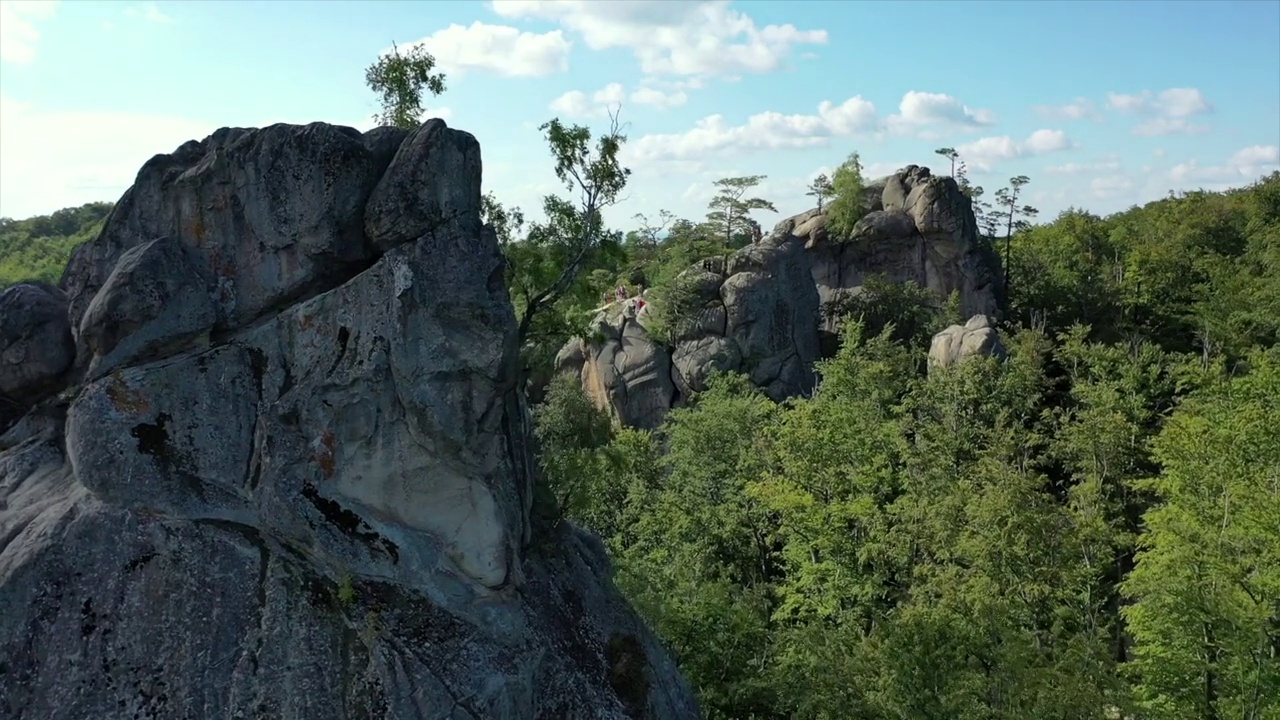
(1089,528)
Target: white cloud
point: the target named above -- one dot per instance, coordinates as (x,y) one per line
(1174,102)
(877,170)
(576,103)
(925,108)
(1157,127)
(18,33)
(763,131)
(1078,109)
(982,154)
(1245,165)
(1077,168)
(672,38)
(148,11)
(658,99)
(498,49)
(573,103)
(610,94)
(1111,187)
(1168,112)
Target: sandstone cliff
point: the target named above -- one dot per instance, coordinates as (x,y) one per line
(771,309)
(272,462)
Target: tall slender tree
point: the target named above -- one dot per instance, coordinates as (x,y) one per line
(1007,201)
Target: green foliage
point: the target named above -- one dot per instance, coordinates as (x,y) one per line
(39,247)
(346,592)
(570,431)
(911,311)
(847,206)
(551,265)
(675,304)
(1196,273)
(400,80)
(1205,616)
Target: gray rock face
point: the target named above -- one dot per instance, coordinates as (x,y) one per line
(920,229)
(36,348)
(977,338)
(754,312)
(305,492)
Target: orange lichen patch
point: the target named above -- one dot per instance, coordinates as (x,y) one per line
(125,398)
(325,454)
(193,226)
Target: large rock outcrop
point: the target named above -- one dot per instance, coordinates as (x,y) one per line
(290,476)
(919,228)
(771,309)
(754,312)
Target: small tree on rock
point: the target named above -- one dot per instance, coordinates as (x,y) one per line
(729,209)
(400,81)
(821,188)
(847,206)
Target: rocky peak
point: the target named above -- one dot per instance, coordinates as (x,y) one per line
(273,461)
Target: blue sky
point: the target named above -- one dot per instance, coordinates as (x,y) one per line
(1102,104)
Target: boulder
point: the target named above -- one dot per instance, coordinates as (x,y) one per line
(296,481)
(977,338)
(36,347)
(269,216)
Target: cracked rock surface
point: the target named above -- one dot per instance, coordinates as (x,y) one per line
(271,461)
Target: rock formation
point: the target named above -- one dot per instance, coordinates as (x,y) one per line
(957,343)
(622,369)
(919,228)
(772,308)
(754,312)
(274,464)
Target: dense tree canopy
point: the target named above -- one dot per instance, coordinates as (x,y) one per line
(1090,529)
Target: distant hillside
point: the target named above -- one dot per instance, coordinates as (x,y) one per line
(38,248)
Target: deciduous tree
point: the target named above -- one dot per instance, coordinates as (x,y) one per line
(400,80)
